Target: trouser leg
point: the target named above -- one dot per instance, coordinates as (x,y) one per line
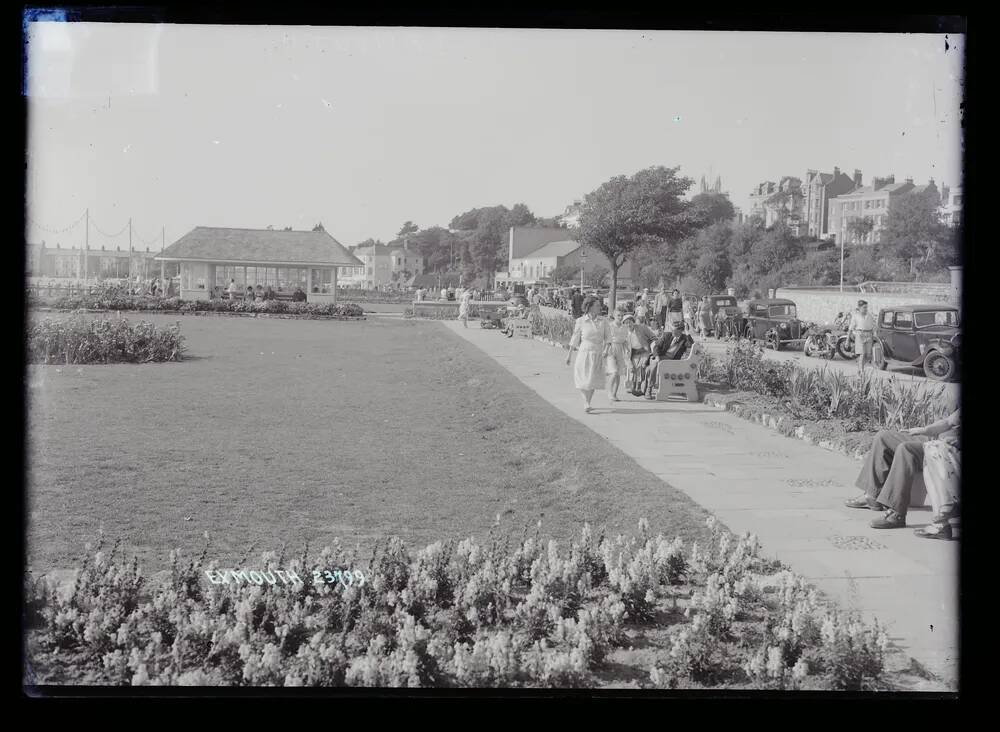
(907,463)
(878,461)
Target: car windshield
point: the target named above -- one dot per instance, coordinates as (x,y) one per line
(781,311)
(936,318)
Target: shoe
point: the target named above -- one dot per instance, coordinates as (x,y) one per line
(935,531)
(650,397)
(587,409)
(891,520)
(864,502)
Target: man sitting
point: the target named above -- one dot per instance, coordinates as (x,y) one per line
(659,349)
(892,463)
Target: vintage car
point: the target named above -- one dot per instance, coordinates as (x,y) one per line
(725,302)
(921,336)
(775,322)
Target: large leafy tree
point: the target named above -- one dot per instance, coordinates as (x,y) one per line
(627,213)
(408,228)
(712,208)
(915,234)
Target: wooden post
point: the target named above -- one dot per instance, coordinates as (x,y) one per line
(333,279)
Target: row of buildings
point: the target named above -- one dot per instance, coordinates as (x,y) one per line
(840,207)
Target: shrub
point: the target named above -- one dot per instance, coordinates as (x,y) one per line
(79,339)
(460,614)
(116,300)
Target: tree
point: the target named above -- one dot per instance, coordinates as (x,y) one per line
(713,270)
(712,208)
(520,215)
(915,234)
(859,228)
(776,247)
(319,227)
(408,228)
(564,274)
(626,213)
(597,277)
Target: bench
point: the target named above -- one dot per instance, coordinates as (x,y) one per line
(677,380)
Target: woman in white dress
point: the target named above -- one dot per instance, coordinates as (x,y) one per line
(591,339)
(617,361)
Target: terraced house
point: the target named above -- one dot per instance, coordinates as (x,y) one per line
(383,265)
(860,217)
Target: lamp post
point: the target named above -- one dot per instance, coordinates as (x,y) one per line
(841,262)
(583,264)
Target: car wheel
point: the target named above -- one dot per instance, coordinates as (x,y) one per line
(878,357)
(845,349)
(939,367)
(807,350)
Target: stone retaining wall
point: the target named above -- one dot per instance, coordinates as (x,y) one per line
(823,307)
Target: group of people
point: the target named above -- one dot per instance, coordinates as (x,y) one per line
(610,352)
(696,315)
(894,462)
(259,294)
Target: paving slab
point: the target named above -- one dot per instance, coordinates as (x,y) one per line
(787,492)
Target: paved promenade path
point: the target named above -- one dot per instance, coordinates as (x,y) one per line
(787,492)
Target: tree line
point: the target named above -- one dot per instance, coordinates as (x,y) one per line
(694,244)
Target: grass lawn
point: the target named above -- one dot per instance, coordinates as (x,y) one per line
(287,431)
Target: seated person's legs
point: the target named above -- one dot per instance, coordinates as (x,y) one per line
(907,464)
(877,465)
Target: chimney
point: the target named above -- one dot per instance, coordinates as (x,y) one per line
(836,172)
(857,177)
(910,181)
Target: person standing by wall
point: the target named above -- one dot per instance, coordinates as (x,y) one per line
(704,317)
(862,329)
(576,304)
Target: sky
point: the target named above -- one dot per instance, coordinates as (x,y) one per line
(180,126)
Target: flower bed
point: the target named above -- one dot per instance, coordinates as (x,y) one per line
(459,615)
(78,340)
(119,302)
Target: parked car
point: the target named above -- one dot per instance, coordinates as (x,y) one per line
(922,336)
(775,322)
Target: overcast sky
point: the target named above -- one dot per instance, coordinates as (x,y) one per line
(362,129)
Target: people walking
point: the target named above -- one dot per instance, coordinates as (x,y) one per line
(660,307)
(576,304)
(617,364)
(592,341)
(862,329)
(675,310)
(688,313)
(705,317)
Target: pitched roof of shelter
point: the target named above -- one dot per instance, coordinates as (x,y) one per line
(208,243)
(553,249)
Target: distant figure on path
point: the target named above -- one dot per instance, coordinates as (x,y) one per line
(576,303)
(231,289)
(705,316)
(688,313)
(618,364)
(444,293)
(591,339)
(862,328)
(298,295)
(675,310)
(249,294)
(660,307)
(463,308)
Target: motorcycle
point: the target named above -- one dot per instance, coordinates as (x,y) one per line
(845,344)
(820,341)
